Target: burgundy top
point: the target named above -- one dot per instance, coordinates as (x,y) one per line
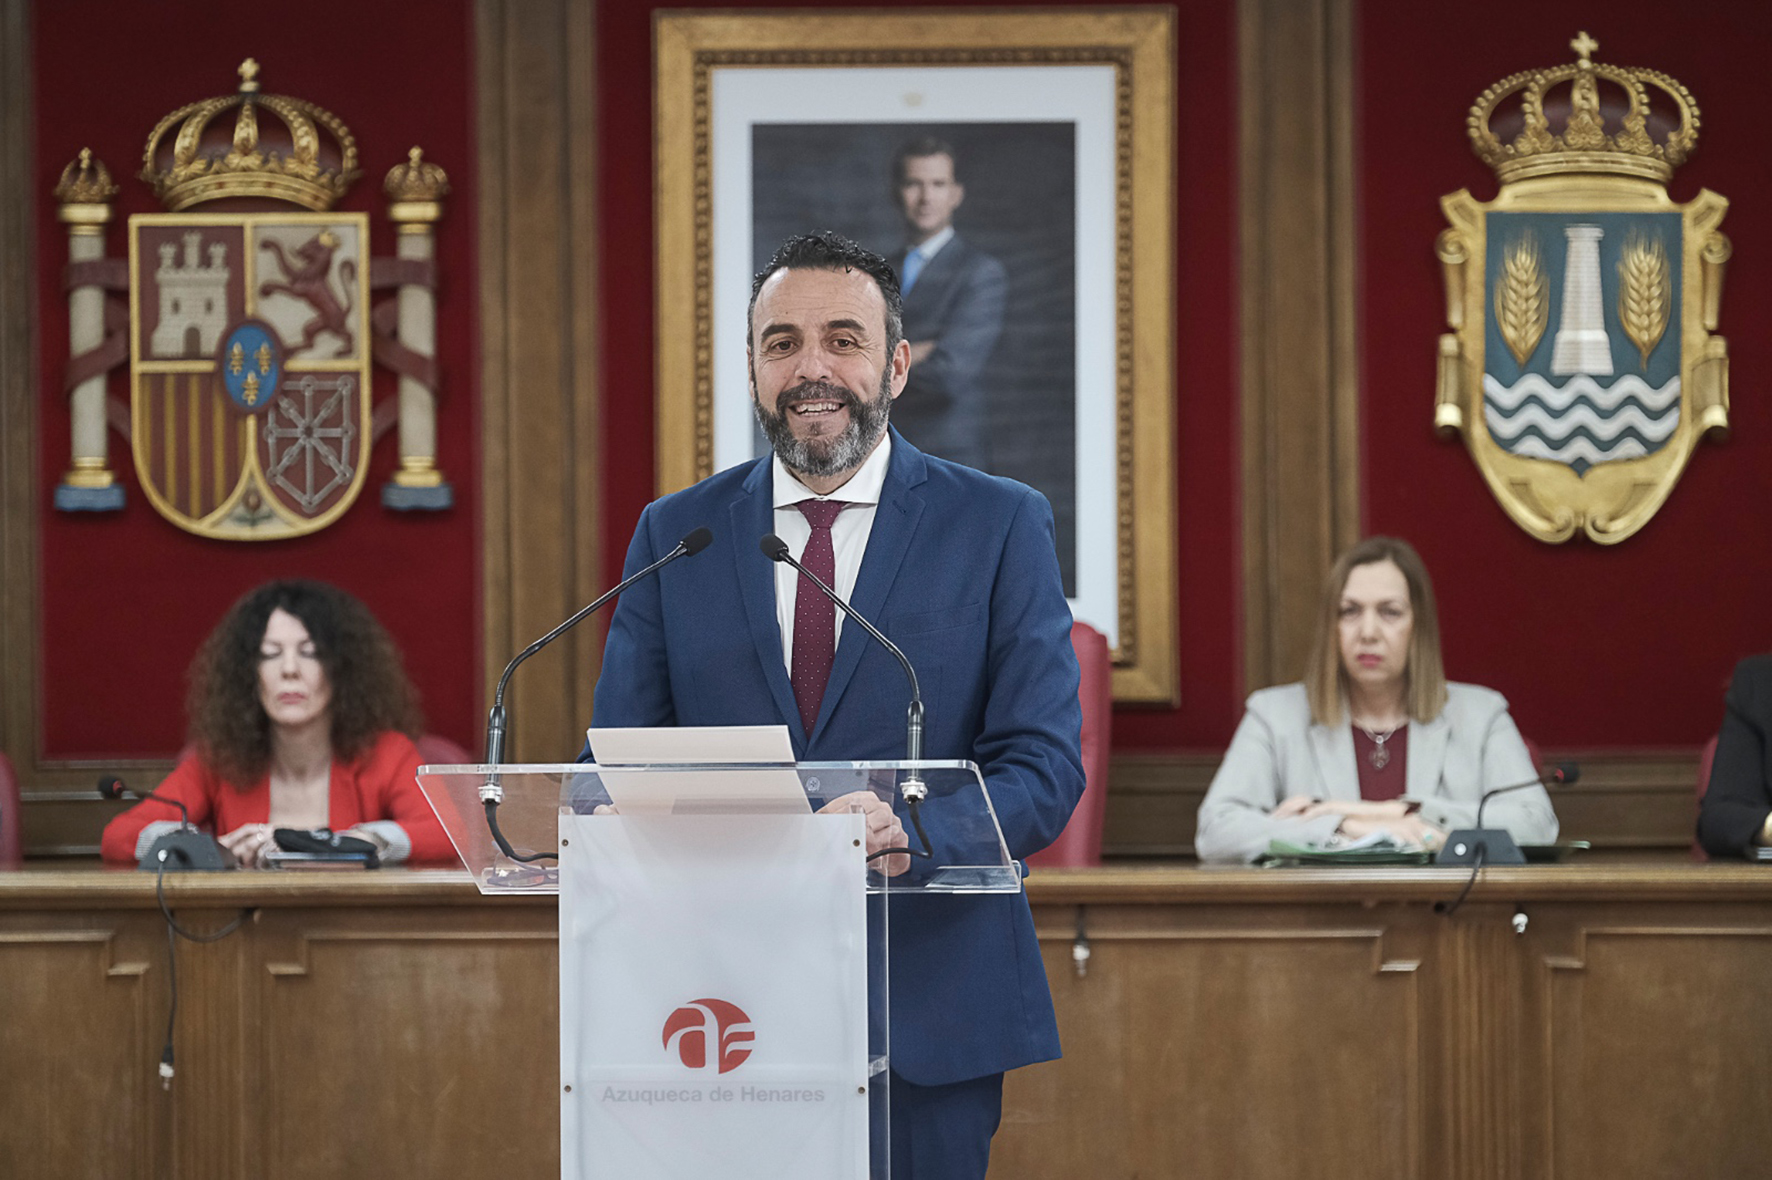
(1384,782)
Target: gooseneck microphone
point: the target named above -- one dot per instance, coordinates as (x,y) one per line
(914,789)
(1479,846)
(491,792)
(186,848)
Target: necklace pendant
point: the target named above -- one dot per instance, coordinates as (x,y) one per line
(1379,756)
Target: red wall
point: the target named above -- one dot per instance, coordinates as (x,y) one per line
(126,597)
(1206,343)
(1596,646)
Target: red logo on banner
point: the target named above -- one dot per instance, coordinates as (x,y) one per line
(690,1025)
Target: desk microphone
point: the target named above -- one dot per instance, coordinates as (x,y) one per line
(491,792)
(914,789)
(186,848)
(1495,846)
(1479,846)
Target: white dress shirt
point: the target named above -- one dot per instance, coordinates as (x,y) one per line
(849,535)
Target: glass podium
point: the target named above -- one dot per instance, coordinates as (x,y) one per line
(724,942)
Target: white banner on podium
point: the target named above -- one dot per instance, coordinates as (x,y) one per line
(713,984)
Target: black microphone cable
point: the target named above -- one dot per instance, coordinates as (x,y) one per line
(1561,774)
(112,788)
(914,789)
(174,932)
(491,792)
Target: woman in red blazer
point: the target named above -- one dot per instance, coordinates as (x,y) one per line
(301,716)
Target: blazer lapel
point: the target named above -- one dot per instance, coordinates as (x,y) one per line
(1427,756)
(752,517)
(895,525)
(1333,748)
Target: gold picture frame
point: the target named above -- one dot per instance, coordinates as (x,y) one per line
(1124,393)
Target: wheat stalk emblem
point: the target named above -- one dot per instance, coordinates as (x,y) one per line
(1645,292)
(1522,305)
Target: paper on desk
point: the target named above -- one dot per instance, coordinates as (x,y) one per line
(773,788)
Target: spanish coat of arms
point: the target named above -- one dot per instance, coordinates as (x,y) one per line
(251,334)
(1581,366)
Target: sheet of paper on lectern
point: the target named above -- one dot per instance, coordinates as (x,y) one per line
(678,789)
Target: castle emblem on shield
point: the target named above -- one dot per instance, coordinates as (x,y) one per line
(1581,366)
(250,364)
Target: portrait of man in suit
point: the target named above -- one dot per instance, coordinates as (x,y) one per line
(988,210)
(954,295)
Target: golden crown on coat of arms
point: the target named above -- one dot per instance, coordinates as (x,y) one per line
(1585,117)
(279,147)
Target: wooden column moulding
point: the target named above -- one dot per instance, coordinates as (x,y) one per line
(18,417)
(540,430)
(1300,400)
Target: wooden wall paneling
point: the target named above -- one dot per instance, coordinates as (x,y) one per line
(1653,1025)
(367,1020)
(84,1015)
(538,394)
(18,398)
(220,1095)
(1300,397)
(1475,1055)
(1228,1041)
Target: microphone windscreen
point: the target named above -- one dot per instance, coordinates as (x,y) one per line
(1565,773)
(696,541)
(774,548)
(110,787)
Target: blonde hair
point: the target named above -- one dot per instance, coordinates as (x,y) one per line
(1424,672)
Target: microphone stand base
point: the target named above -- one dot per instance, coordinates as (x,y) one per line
(1496,844)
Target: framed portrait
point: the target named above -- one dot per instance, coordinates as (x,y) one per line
(1016,169)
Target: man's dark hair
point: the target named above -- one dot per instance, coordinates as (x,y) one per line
(829,250)
(370,692)
(921,148)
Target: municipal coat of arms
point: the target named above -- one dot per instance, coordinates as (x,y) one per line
(1581,367)
(251,335)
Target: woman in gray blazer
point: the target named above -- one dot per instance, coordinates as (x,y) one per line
(1375,739)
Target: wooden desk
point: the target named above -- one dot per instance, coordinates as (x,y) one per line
(370,1024)
(1232,1023)
(1260,1023)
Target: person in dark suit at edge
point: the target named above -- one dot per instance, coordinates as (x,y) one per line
(954,297)
(958,568)
(1735,815)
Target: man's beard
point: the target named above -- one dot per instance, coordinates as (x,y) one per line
(831,455)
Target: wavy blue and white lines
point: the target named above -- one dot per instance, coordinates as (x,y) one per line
(1582,423)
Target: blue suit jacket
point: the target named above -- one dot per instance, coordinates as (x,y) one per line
(960,571)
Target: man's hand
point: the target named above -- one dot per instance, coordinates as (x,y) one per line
(884,828)
(920,350)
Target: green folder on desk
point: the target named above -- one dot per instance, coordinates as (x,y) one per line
(1373,850)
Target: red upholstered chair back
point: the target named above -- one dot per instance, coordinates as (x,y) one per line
(438,750)
(1706,756)
(11,845)
(1080,842)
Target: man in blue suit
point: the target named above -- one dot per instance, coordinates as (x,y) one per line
(954,297)
(959,569)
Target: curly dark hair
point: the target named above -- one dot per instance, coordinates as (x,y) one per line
(370,691)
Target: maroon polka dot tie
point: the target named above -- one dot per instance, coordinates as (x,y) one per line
(815,616)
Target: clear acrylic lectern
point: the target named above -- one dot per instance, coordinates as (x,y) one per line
(723,949)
